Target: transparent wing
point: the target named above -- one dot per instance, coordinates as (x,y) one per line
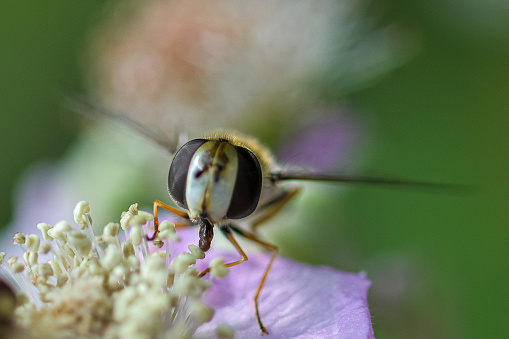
(344,179)
(80,103)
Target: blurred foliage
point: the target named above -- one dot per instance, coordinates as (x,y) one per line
(40,50)
(441,117)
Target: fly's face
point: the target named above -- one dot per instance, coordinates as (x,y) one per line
(215,180)
(210,180)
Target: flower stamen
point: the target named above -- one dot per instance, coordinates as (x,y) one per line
(118,290)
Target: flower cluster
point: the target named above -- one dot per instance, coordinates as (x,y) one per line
(111,286)
(231,64)
(71,283)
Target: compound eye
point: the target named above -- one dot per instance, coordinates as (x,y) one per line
(177,175)
(248,185)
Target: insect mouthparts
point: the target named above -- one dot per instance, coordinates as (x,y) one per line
(206,233)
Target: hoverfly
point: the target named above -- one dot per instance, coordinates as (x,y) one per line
(225,177)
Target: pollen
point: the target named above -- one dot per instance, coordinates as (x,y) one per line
(76,284)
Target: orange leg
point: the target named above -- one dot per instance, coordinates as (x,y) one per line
(269,209)
(159,203)
(228,234)
(268,246)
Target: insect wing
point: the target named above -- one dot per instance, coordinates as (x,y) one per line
(366,180)
(82,104)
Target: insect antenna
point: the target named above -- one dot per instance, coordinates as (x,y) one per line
(82,104)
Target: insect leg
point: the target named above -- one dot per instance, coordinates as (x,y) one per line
(159,203)
(268,246)
(269,209)
(226,230)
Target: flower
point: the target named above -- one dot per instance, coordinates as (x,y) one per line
(112,291)
(336,132)
(226,64)
(297,301)
(115,286)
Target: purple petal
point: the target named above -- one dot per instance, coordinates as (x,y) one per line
(297,301)
(324,145)
(44,195)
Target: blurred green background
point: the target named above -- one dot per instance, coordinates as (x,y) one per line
(439,263)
